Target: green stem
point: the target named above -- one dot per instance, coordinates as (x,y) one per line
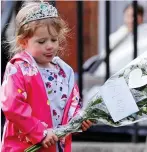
(32,148)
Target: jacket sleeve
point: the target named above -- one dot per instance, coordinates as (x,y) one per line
(76,102)
(15,107)
(80,102)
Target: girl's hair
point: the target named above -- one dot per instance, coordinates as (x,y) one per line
(55,24)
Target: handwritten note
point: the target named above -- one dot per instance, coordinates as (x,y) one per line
(118,99)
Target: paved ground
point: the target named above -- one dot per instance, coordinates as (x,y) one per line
(108,147)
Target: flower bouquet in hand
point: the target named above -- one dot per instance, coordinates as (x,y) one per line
(134,76)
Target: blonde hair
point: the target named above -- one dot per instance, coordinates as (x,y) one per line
(55,25)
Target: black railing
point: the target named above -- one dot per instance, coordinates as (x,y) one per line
(135,29)
(107,29)
(136,127)
(80,44)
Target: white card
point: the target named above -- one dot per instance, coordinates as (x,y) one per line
(118,99)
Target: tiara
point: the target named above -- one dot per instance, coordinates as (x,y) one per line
(45,11)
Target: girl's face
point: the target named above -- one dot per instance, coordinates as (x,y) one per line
(43,46)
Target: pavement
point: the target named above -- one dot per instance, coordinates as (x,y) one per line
(108,147)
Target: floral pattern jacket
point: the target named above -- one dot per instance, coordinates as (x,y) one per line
(26,107)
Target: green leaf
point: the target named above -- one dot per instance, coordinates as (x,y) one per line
(97,101)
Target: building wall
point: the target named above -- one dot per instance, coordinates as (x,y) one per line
(68,10)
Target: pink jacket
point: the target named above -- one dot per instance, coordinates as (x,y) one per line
(25,105)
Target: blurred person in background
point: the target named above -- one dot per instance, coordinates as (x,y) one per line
(129,18)
(121,44)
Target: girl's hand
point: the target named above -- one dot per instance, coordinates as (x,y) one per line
(50,139)
(86,124)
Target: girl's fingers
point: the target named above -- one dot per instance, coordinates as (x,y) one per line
(55,138)
(89,122)
(49,143)
(45,145)
(83,128)
(52,142)
(86,125)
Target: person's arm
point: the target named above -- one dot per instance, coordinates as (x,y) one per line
(15,106)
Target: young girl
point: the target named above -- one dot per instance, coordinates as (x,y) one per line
(38,90)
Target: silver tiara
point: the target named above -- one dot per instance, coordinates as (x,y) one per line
(45,11)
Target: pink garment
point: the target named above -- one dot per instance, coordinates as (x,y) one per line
(26,107)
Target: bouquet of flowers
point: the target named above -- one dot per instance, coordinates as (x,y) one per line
(135,76)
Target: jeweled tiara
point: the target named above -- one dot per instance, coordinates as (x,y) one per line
(45,11)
